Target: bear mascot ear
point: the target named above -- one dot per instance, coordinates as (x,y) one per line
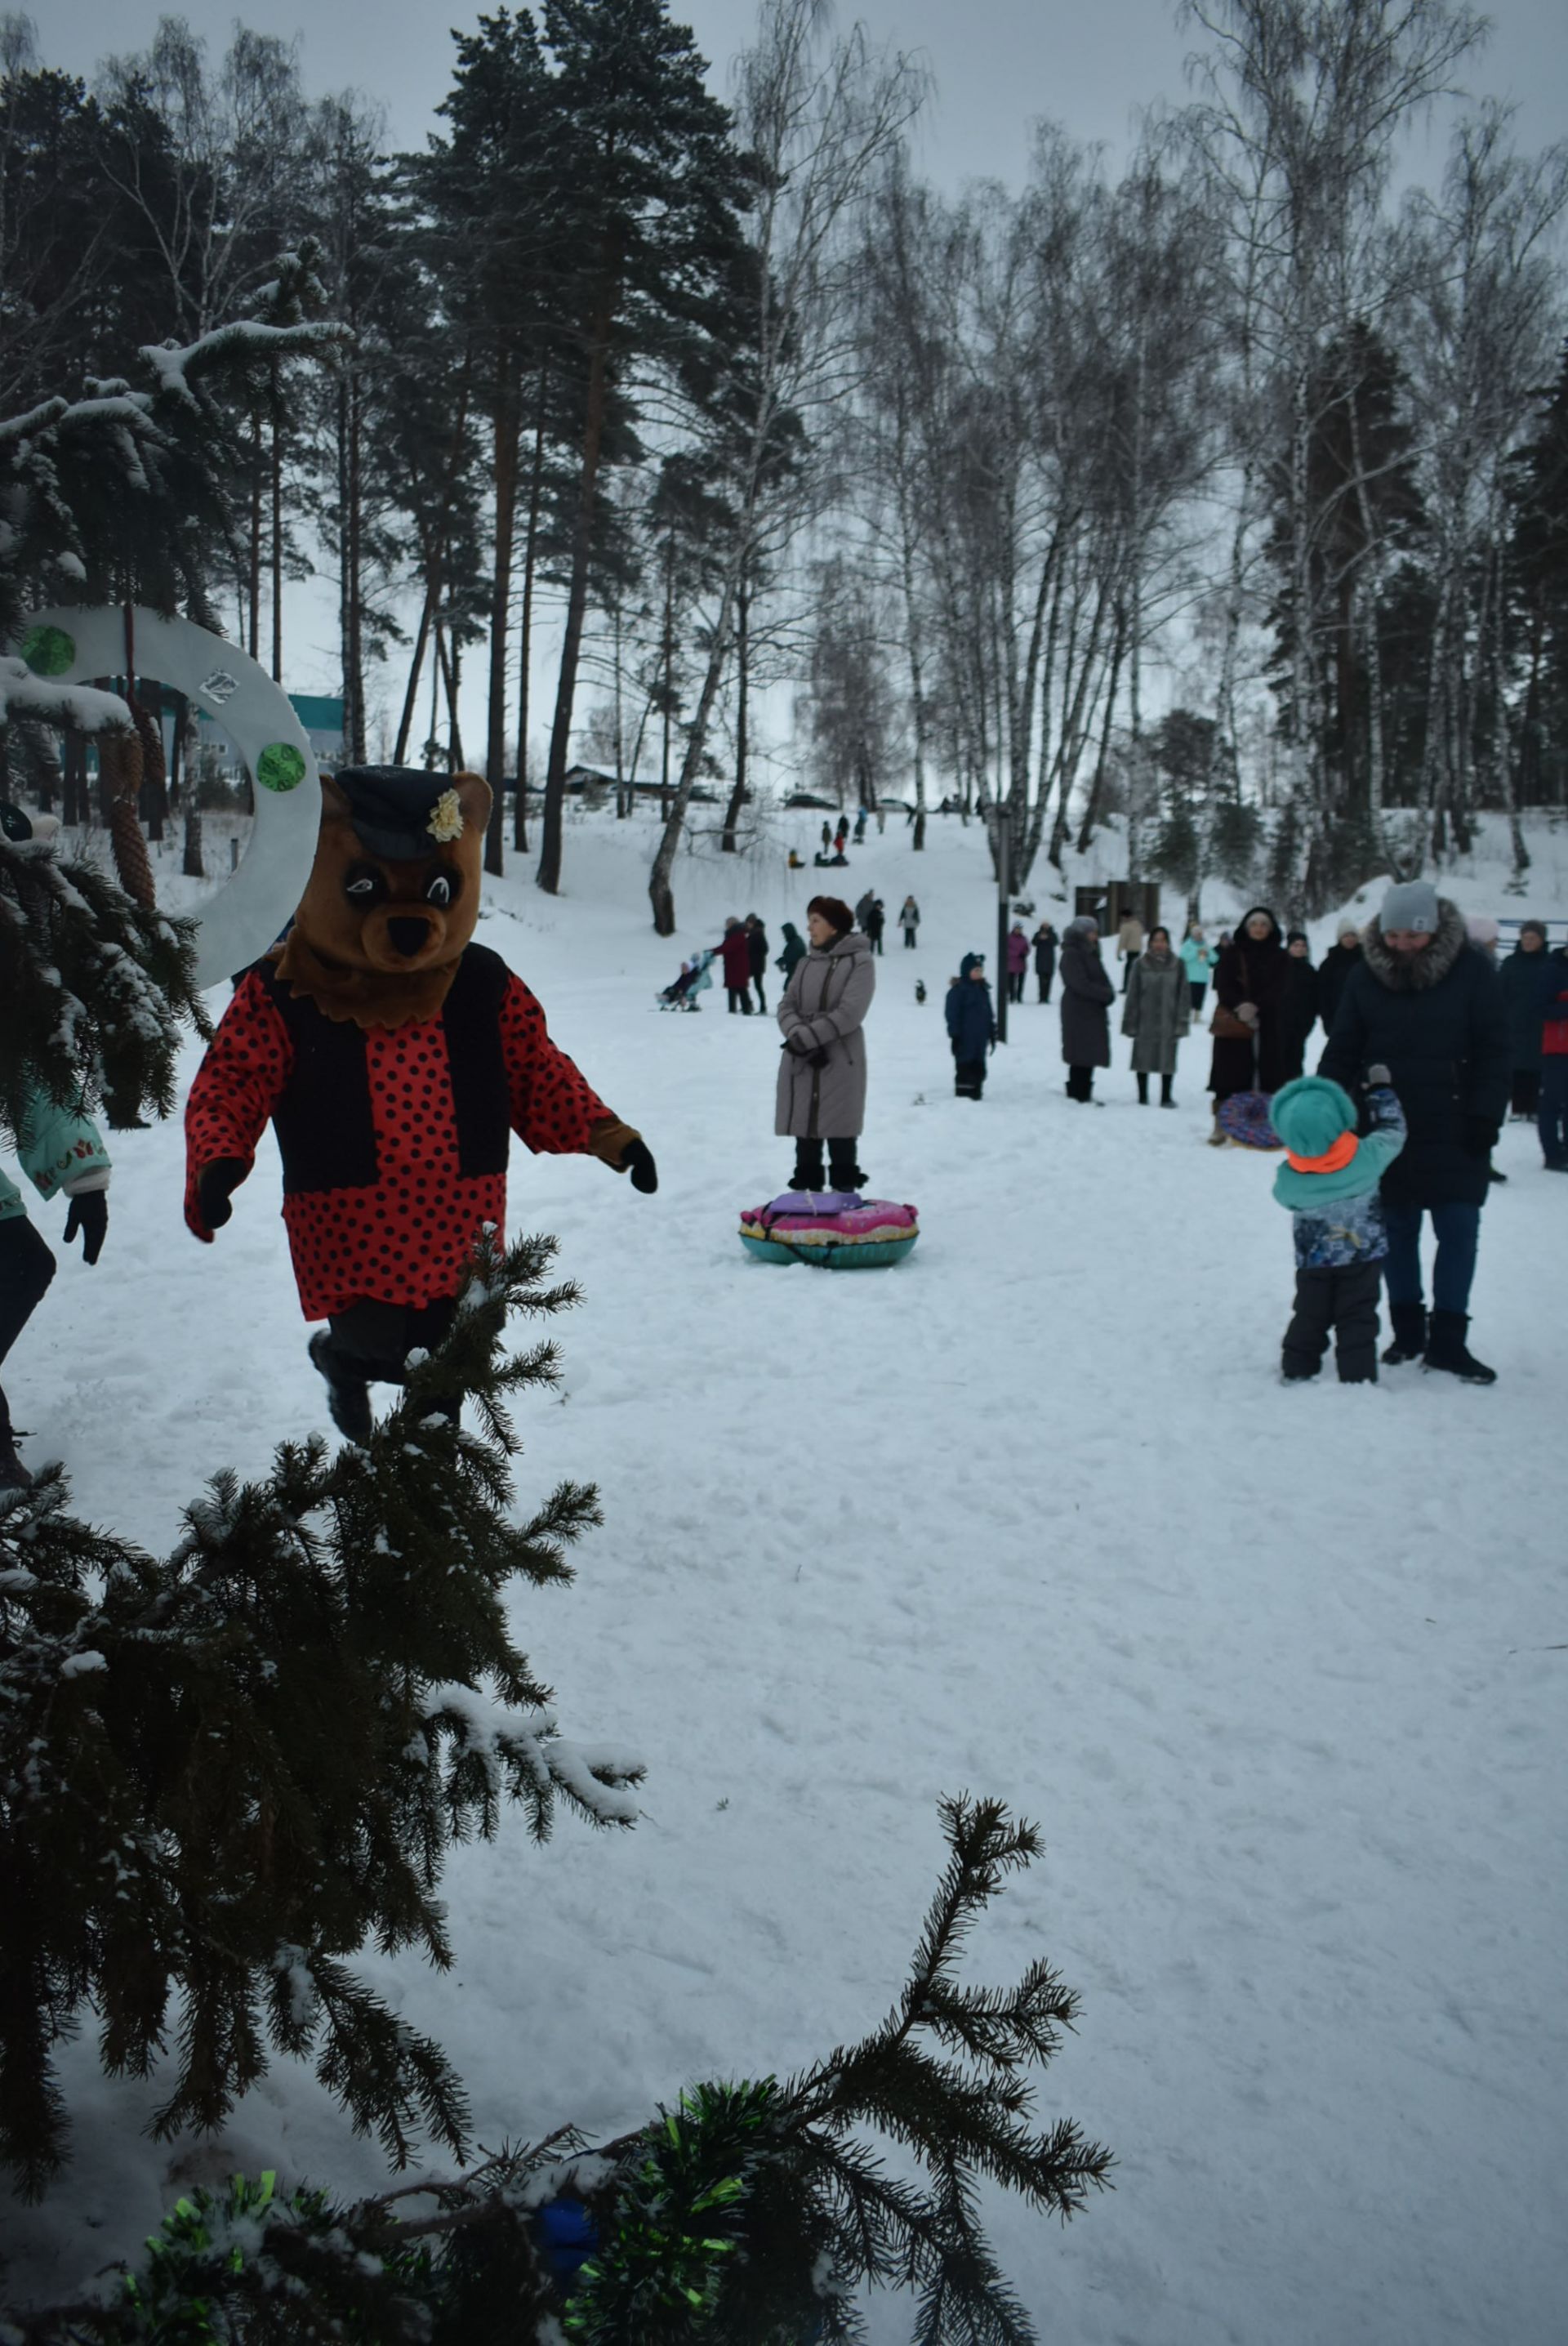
(393,893)
(476,798)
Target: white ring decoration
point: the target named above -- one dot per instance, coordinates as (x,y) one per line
(241,921)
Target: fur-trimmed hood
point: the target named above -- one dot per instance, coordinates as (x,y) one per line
(1417,973)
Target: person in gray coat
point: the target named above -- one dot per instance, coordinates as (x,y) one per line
(1087,995)
(822,1096)
(1157,1014)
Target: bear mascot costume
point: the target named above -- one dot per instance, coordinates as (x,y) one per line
(395,1058)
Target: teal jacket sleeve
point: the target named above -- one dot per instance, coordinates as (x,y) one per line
(61,1151)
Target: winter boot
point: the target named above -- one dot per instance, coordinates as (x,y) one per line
(348,1397)
(1446,1348)
(1409,1322)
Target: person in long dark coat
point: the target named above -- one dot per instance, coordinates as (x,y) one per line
(1522,975)
(1298,1004)
(1429,1006)
(971,1026)
(1249,983)
(1157,1013)
(794,950)
(1333,970)
(1046,958)
(757,946)
(1087,995)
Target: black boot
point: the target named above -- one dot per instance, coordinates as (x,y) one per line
(1409,1323)
(1446,1348)
(1143,1091)
(348,1396)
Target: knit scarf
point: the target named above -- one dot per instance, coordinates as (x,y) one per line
(1333,1161)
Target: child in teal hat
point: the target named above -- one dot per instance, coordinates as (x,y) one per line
(1329,1184)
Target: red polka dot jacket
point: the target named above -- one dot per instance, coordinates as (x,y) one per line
(393,1139)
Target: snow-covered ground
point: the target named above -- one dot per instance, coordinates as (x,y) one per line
(1280,1673)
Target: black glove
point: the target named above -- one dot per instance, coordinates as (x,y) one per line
(1479,1136)
(215,1185)
(89,1215)
(638,1162)
(800,1043)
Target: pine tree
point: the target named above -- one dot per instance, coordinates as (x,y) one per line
(97,989)
(222,1772)
(751,2213)
(656,186)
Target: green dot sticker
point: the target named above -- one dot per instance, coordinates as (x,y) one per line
(280,767)
(48,651)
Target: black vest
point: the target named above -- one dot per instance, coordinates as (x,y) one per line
(326,1135)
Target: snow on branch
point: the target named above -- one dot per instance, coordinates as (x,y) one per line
(175,366)
(81,706)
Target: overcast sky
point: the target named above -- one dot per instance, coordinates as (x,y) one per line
(998,65)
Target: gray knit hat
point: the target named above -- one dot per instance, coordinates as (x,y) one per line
(1412,904)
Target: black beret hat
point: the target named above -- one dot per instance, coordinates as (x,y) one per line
(391,808)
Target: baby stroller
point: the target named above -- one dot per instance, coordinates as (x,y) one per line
(694,977)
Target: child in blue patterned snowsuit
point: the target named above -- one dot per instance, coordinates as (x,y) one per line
(1329,1184)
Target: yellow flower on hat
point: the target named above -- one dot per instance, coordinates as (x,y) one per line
(445,818)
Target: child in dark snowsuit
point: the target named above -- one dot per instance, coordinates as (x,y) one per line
(1329,1184)
(970,1025)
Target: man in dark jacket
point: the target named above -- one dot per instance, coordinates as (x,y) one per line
(1426,1005)
(1335,967)
(971,1026)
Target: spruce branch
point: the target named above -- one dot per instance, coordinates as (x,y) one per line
(224,1771)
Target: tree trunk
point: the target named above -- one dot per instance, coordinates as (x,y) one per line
(187,754)
(435,551)
(422,637)
(660,893)
(526,630)
(119,768)
(75,803)
(276,532)
(254,573)
(549,874)
(742,681)
(351,603)
(506,429)
(450,661)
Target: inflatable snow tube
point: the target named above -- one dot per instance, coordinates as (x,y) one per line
(1243,1118)
(831,1229)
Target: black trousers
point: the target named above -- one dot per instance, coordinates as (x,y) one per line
(371,1342)
(1044,989)
(26,1267)
(1342,1302)
(909,940)
(1081,1083)
(1524,1091)
(1016,986)
(740,998)
(843,1164)
(761,997)
(968,1078)
(1198,988)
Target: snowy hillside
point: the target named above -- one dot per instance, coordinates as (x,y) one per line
(1280,1673)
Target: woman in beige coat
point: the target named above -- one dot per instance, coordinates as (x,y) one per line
(822,1096)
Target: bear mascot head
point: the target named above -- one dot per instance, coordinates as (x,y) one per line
(393,896)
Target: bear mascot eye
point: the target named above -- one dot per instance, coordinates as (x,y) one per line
(442,890)
(363,886)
